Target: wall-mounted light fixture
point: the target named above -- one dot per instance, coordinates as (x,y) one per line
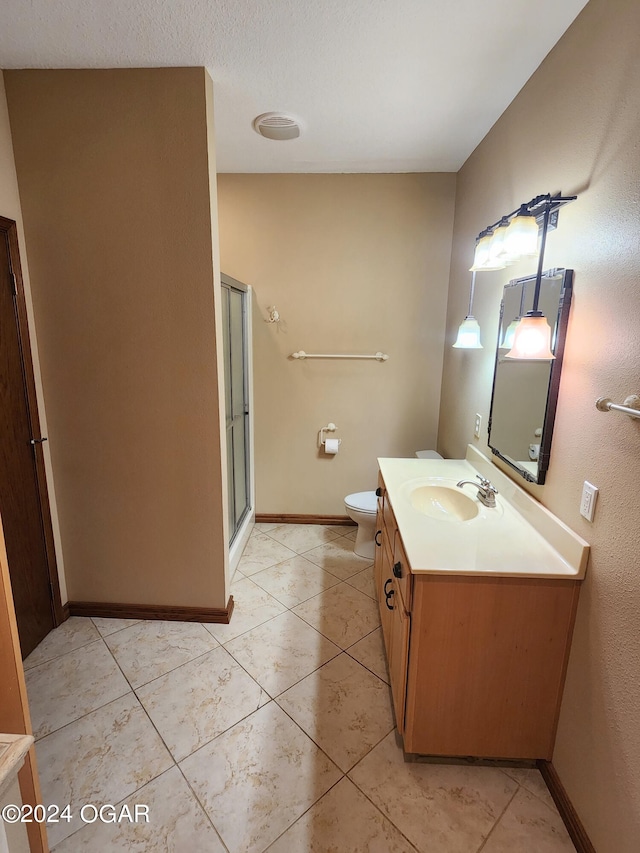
(469,331)
(532,338)
(515,236)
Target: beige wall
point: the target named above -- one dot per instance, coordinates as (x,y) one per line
(10,208)
(113,170)
(575,128)
(354,263)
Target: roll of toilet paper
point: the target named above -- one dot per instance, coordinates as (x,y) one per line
(331,446)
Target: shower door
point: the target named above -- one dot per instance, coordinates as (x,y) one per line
(236,370)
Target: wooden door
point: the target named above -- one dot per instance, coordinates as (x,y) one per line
(24,506)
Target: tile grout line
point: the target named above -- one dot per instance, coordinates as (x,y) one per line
(97,708)
(553,808)
(147,716)
(298,602)
(68,652)
(344,772)
(173,669)
(273,698)
(197,799)
(321,568)
(364,666)
(291,610)
(176,761)
(135,791)
(502,813)
(342,650)
(117,631)
(118,803)
(376,807)
(299,818)
(224,731)
(329,638)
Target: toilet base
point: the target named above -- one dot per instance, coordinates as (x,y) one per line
(365,545)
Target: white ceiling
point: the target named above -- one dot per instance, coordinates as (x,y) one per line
(381,85)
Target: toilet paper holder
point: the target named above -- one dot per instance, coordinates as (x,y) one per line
(330,427)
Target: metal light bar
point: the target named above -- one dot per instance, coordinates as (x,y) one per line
(537,207)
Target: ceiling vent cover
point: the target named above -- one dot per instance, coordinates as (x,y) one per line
(277,126)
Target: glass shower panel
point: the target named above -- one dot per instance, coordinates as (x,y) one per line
(240,474)
(230,483)
(236,402)
(227,348)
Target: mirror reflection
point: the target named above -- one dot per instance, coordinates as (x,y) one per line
(523,402)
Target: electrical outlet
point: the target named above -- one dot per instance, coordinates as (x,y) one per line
(588,500)
(477,425)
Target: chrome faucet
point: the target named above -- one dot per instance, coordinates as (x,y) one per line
(486,490)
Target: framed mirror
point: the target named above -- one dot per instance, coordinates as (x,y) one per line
(525,392)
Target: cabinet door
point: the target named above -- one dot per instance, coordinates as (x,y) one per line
(378,556)
(386,594)
(401,572)
(399,657)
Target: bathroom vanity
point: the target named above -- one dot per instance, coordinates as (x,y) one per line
(477,609)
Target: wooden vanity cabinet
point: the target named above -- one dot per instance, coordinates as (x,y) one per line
(476,664)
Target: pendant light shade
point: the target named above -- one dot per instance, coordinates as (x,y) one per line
(532,340)
(481,256)
(498,255)
(469,331)
(468,334)
(509,335)
(521,238)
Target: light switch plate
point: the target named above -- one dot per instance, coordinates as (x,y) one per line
(588,500)
(477,425)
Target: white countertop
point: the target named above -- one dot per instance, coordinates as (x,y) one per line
(519,538)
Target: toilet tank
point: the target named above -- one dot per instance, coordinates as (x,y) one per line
(428,454)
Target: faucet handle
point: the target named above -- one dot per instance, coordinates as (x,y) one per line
(487,485)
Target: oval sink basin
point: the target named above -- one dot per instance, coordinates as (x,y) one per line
(443,503)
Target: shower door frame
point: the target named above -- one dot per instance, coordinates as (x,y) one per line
(239,537)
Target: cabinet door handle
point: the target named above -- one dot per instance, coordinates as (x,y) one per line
(379,492)
(397,570)
(378,533)
(388,593)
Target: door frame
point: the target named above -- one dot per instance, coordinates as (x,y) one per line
(9,229)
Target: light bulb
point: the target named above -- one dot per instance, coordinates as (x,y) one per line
(521,238)
(532,340)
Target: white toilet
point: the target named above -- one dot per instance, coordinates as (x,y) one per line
(361,507)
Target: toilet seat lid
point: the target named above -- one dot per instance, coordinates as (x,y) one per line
(364,501)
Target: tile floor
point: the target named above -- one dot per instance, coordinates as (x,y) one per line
(274,732)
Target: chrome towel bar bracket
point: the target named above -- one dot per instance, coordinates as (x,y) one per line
(631,406)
